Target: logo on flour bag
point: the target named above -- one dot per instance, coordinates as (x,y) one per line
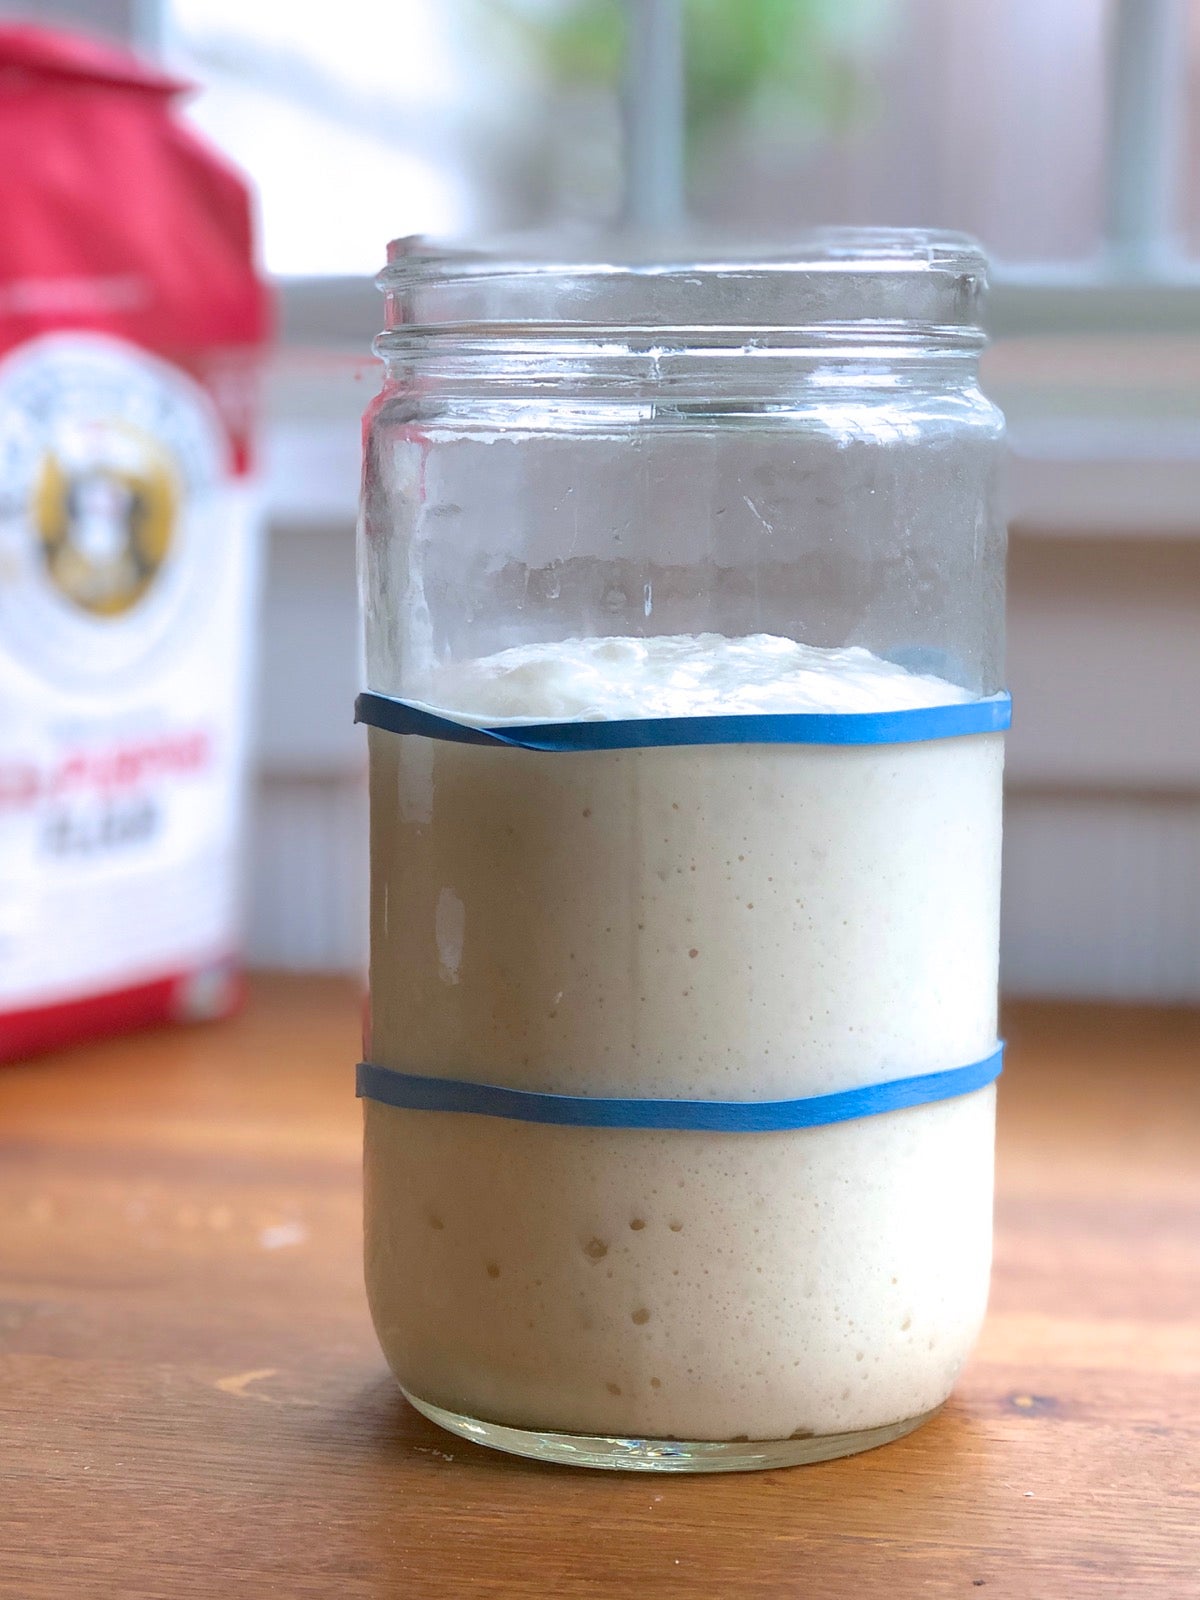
(105,508)
(112,466)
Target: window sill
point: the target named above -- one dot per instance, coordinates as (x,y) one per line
(1105,435)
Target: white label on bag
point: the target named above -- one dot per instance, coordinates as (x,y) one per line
(128,560)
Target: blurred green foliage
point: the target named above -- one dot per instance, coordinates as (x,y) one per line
(780,65)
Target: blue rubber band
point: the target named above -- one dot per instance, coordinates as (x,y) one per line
(991,715)
(410,1092)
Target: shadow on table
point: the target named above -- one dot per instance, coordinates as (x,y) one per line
(434,1510)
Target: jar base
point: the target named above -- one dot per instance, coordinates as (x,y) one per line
(664,1455)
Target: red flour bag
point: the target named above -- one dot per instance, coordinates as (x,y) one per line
(131,321)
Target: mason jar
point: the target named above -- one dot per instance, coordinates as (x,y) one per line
(683,597)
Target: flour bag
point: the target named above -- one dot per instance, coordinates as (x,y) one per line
(131,326)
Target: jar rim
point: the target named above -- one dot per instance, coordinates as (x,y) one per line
(919,279)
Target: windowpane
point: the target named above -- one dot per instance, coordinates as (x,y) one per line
(984,117)
(370,118)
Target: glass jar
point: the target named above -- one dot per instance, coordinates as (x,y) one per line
(683,592)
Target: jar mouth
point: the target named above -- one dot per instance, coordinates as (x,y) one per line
(862,281)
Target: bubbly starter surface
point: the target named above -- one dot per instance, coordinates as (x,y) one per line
(731,922)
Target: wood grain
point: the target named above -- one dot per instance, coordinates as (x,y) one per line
(192,1402)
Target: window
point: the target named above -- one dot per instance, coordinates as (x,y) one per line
(477,116)
(1062,135)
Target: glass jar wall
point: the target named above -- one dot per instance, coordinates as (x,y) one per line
(600,494)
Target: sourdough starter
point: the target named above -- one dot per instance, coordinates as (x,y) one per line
(728,922)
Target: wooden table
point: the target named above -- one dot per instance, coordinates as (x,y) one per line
(192,1402)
